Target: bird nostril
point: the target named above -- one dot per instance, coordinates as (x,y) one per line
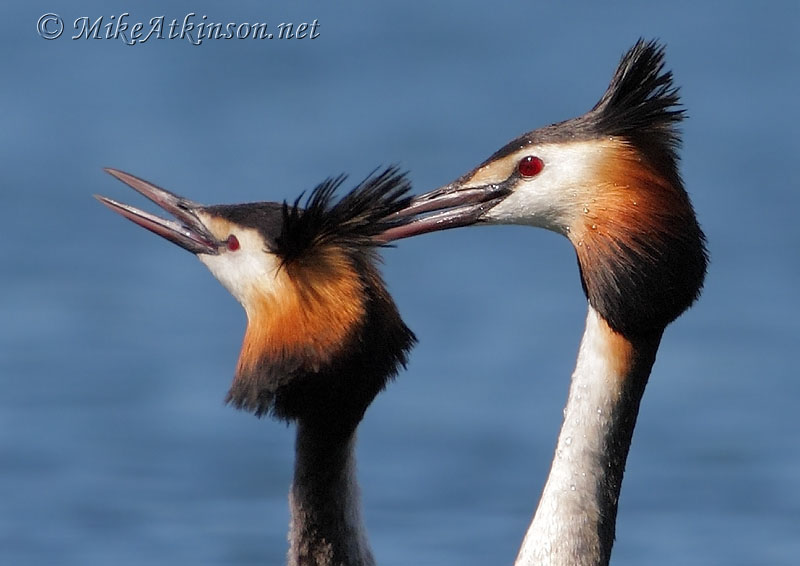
(232,243)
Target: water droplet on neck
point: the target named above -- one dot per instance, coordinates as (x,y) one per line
(586,210)
(594,226)
(572,487)
(568,440)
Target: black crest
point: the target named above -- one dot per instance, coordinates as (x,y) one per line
(641,103)
(641,96)
(353,221)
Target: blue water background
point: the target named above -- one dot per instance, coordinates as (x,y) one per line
(116,349)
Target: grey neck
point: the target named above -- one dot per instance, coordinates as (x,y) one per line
(575,521)
(326,527)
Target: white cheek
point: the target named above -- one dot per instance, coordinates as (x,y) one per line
(242,272)
(249,270)
(552,199)
(529,205)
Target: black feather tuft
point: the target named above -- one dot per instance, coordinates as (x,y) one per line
(641,105)
(353,221)
(641,102)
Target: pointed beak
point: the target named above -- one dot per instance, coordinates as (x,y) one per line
(187,230)
(451,206)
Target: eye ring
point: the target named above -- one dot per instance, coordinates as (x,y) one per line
(530,166)
(232,243)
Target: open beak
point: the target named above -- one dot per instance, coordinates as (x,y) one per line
(451,206)
(187,230)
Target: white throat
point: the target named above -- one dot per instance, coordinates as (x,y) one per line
(574,522)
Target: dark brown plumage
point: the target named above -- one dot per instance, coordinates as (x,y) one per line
(333,334)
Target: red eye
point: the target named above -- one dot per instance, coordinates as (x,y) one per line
(232,243)
(530,166)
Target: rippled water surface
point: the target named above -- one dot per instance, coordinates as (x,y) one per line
(117,348)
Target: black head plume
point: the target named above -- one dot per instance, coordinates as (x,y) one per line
(642,105)
(641,97)
(353,221)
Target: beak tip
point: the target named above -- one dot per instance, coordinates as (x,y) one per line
(101,199)
(186,230)
(117,174)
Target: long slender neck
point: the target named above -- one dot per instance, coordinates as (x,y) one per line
(575,520)
(326,527)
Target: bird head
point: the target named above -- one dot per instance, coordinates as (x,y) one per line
(607,180)
(323,334)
